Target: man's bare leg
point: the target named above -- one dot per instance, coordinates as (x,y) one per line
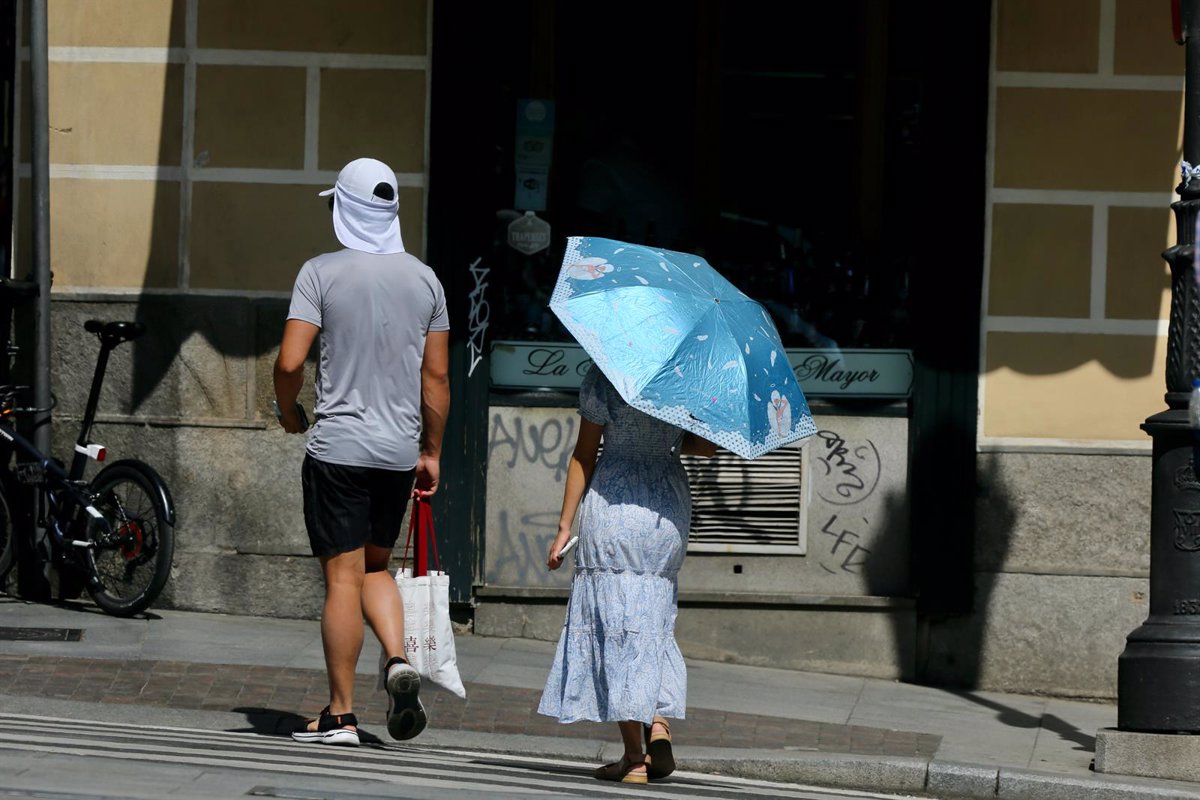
(342,625)
(384,610)
(381,604)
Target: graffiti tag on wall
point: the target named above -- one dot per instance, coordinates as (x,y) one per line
(548,444)
(846,474)
(478,316)
(522,548)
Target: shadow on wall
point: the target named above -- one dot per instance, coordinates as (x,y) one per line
(952,652)
(880,575)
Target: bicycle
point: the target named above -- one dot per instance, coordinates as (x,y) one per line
(116,532)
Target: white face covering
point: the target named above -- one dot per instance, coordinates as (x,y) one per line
(367,225)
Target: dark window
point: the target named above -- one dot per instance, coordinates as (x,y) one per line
(776,140)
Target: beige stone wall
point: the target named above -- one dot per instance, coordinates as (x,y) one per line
(1084,153)
(189,137)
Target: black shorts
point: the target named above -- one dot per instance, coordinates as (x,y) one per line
(346,508)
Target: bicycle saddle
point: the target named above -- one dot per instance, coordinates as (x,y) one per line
(115,332)
(15,293)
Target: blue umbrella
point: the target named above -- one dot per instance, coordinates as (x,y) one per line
(681,343)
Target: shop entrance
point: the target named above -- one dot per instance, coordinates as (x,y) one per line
(826,158)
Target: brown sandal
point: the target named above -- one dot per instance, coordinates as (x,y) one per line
(658,750)
(623,770)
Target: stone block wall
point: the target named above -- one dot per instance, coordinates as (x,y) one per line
(1062,563)
(192,398)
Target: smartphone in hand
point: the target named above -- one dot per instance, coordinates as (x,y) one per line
(566,548)
(299,411)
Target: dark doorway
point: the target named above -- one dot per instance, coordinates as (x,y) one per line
(828,158)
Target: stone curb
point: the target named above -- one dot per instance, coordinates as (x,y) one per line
(835,770)
(946,780)
(958,780)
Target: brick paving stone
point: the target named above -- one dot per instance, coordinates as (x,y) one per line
(186,699)
(482,726)
(801,739)
(771,728)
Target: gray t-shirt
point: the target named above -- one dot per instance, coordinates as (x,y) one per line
(373,312)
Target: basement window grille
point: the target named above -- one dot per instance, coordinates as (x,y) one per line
(748,506)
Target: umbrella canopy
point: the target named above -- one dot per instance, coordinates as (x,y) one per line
(681,343)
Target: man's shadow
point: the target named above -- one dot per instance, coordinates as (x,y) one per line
(273,722)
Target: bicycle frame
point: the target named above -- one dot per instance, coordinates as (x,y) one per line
(79,462)
(57,489)
(54,480)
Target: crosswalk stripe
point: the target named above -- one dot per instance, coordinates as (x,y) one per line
(411,764)
(279,763)
(393,760)
(309,769)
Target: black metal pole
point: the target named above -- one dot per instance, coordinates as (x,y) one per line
(8,91)
(40,173)
(1158,675)
(34,566)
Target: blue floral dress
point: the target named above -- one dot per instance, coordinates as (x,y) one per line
(617,659)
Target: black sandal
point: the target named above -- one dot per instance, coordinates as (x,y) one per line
(331,729)
(623,770)
(658,747)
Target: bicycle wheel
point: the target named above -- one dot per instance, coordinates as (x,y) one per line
(132,561)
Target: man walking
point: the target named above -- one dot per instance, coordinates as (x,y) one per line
(382,399)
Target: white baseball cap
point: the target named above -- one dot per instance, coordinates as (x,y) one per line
(362,218)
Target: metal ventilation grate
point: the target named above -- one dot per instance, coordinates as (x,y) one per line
(741,505)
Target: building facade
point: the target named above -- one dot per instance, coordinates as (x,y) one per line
(954,220)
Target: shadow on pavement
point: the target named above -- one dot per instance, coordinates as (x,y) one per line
(561,770)
(69,605)
(1019,719)
(273,722)
(268,721)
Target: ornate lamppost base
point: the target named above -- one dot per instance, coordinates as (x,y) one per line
(1158,675)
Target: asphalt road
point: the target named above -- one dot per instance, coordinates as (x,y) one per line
(63,759)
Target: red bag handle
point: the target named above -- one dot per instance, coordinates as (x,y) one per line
(421,522)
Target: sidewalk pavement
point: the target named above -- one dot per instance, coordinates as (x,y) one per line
(250,673)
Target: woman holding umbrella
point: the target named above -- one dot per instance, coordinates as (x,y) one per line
(678,348)
(617,660)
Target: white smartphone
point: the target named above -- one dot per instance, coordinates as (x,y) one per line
(566,548)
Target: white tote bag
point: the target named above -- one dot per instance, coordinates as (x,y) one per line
(428,635)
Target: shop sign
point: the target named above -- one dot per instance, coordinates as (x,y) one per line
(822,373)
(528,234)
(853,373)
(538,365)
